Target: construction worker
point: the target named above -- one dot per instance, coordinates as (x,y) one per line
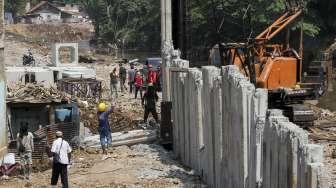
(138,84)
(25,148)
(152,75)
(114,83)
(122,76)
(104,128)
(149,101)
(131,77)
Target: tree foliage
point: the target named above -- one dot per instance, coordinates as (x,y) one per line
(136,23)
(16,7)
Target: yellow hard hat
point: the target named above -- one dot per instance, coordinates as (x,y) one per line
(102,107)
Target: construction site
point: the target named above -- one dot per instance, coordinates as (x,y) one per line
(253,115)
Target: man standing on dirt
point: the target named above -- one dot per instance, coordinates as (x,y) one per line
(131,77)
(114,83)
(61,152)
(138,84)
(122,76)
(25,148)
(149,102)
(104,128)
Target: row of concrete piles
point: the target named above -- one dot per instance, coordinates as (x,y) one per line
(224,130)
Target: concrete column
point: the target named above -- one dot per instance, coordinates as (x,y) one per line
(211,103)
(195,84)
(259,119)
(3,127)
(177,98)
(173,83)
(166,46)
(166,21)
(182,116)
(186,105)
(217,128)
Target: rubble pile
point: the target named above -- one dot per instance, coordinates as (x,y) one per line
(34,93)
(324,128)
(324,114)
(119,120)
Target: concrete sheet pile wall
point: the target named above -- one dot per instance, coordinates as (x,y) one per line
(289,161)
(187,89)
(221,130)
(243,113)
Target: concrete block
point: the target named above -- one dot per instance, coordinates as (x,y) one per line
(73,48)
(317,177)
(314,153)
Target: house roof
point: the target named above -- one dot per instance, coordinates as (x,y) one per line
(41,4)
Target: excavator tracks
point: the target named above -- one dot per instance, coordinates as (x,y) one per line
(300,114)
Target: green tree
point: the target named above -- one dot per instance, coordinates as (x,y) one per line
(126,23)
(16,7)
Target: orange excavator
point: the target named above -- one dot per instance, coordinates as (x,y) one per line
(277,68)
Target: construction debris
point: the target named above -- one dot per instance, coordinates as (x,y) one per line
(122,138)
(32,93)
(84,88)
(119,120)
(325,125)
(86,59)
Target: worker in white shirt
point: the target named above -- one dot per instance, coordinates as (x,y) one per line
(61,152)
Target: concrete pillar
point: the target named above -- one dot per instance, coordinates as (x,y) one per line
(260,107)
(237,121)
(211,100)
(3,127)
(186,105)
(195,84)
(217,128)
(183,115)
(176,137)
(166,46)
(166,20)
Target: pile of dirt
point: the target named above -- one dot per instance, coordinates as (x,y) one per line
(51,33)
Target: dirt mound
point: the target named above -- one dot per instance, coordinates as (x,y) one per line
(51,33)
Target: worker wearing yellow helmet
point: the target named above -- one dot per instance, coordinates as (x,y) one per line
(104,128)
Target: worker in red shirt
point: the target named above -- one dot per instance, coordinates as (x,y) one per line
(138,84)
(152,75)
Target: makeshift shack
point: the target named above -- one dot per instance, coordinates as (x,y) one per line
(44,110)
